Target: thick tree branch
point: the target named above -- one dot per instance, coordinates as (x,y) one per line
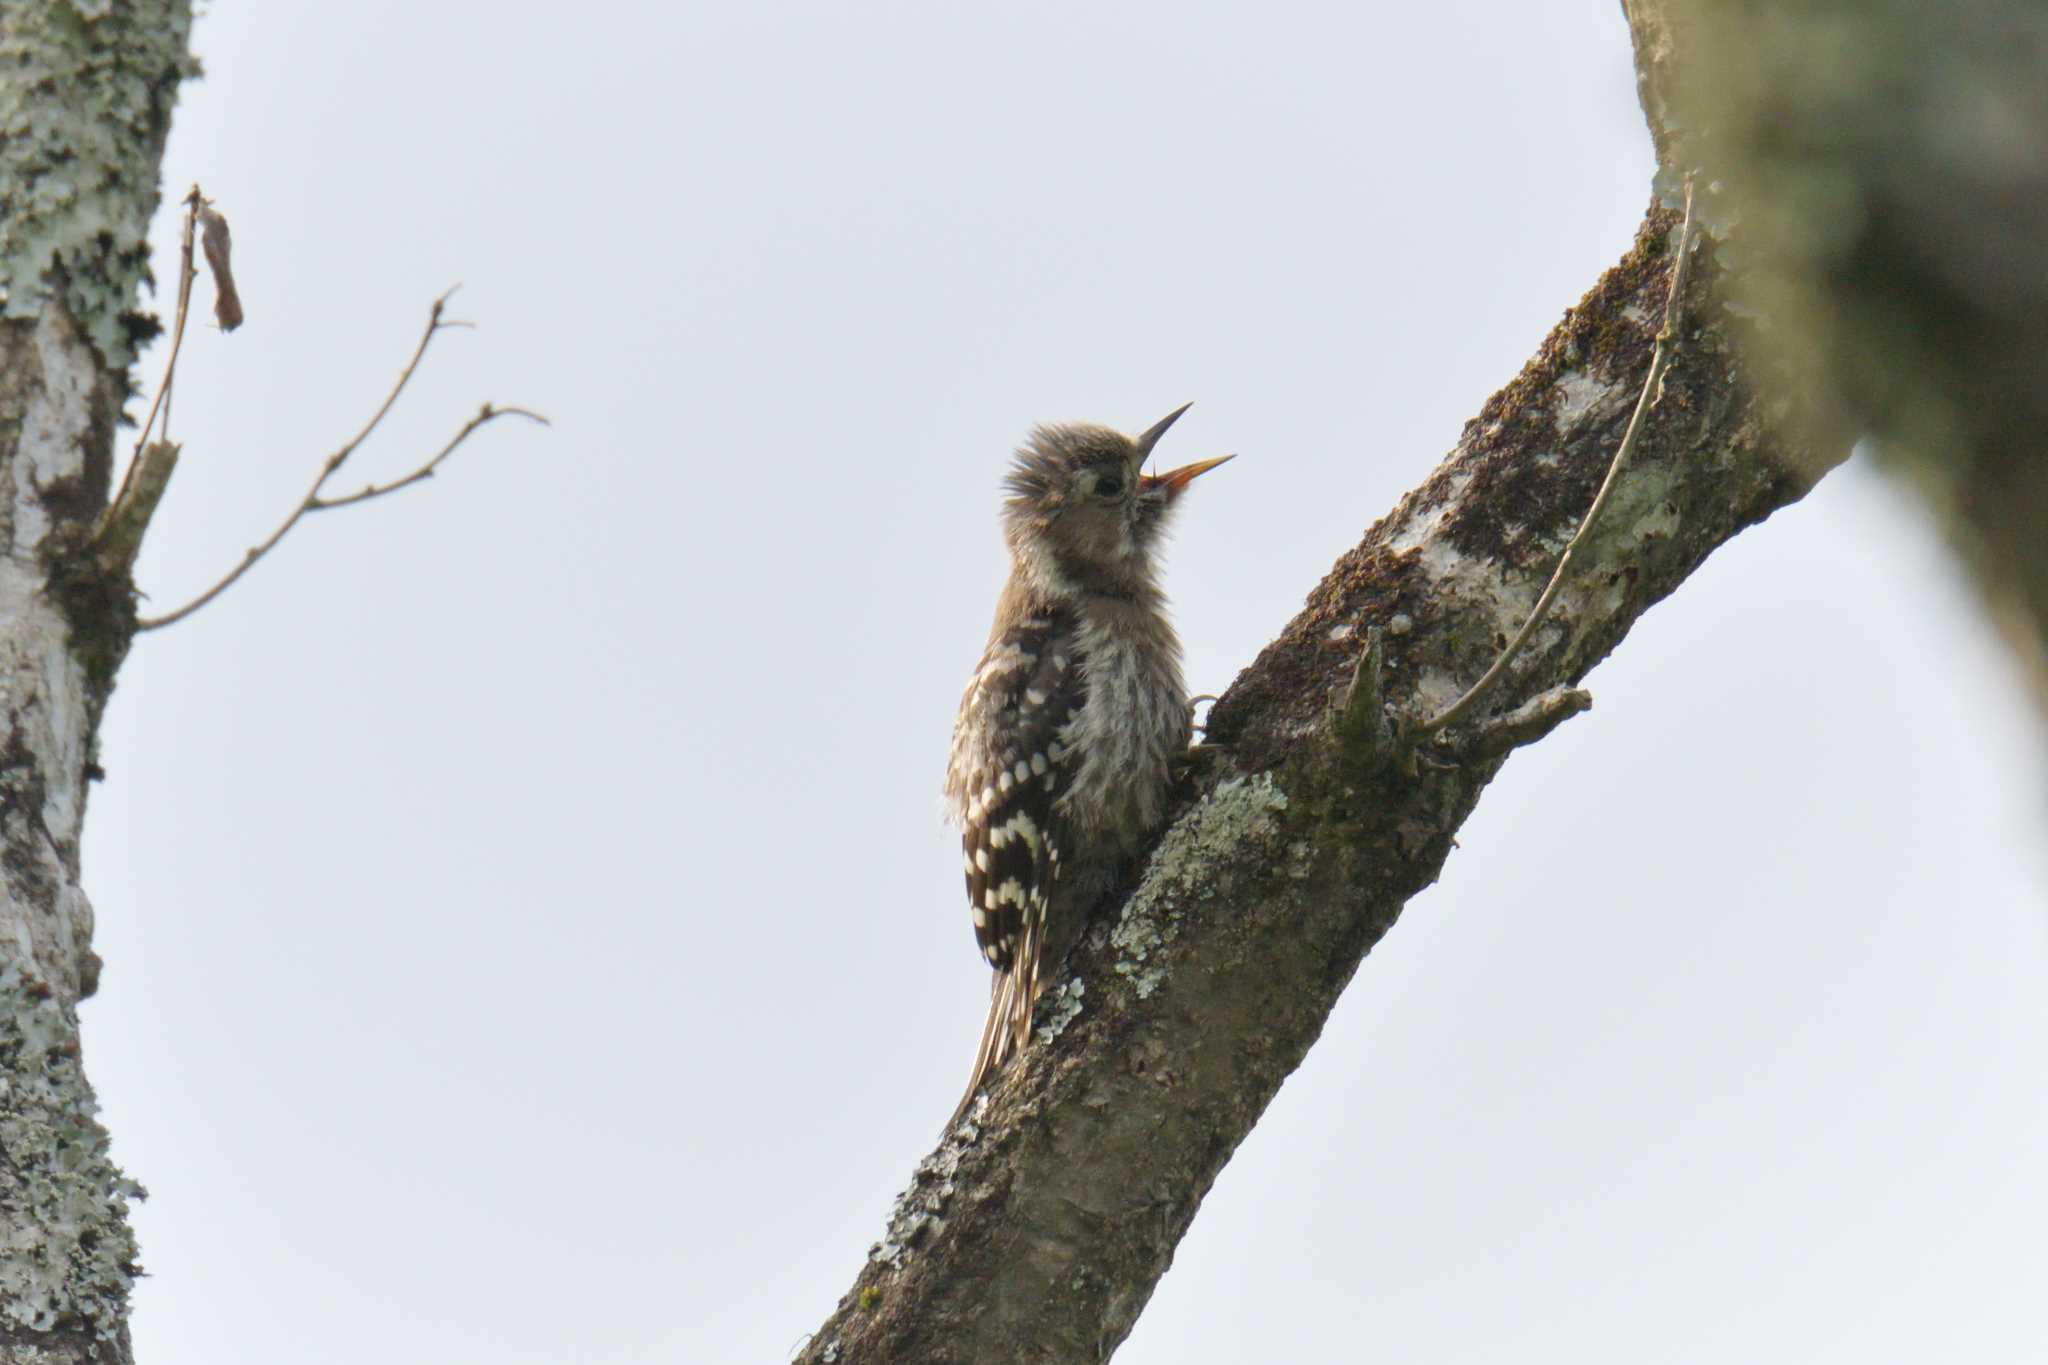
(1653,389)
(1039,1228)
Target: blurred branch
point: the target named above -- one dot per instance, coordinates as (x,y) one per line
(1881,169)
(314,502)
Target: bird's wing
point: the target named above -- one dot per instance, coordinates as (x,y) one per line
(1006,775)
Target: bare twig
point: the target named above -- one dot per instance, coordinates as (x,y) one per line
(490,412)
(162,401)
(1530,721)
(313,502)
(1653,385)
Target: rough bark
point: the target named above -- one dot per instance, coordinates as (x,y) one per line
(1884,166)
(1039,1228)
(86,88)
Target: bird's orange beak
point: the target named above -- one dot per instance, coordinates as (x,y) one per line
(1174,480)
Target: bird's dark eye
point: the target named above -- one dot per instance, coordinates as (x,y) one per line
(1109,485)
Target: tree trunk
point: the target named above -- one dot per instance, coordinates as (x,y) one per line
(85,96)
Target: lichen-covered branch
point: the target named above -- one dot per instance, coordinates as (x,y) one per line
(86,88)
(1652,390)
(1039,1228)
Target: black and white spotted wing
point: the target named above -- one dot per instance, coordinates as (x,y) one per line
(1025,692)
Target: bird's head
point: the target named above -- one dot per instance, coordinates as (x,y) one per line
(1083,516)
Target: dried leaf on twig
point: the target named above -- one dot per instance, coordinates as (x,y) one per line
(216,242)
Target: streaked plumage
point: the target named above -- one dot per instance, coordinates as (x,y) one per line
(1060,759)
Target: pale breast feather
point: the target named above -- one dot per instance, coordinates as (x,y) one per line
(1134,721)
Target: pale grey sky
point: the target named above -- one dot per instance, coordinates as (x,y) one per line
(529,931)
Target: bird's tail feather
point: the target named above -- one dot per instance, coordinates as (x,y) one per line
(1012,995)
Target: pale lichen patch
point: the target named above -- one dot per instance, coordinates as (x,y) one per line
(67,1257)
(1641,509)
(1060,1007)
(920,1209)
(1448,567)
(1659,522)
(1579,393)
(59,416)
(1421,527)
(1437,688)
(81,168)
(1238,812)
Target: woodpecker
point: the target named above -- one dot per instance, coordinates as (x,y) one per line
(1059,763)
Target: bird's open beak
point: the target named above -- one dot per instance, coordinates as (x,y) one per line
(1174,480)
(1157,430)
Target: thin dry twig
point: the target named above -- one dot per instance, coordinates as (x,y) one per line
(162,402)
(1530,721)
(490,412)
(313,502)
(1653,385)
